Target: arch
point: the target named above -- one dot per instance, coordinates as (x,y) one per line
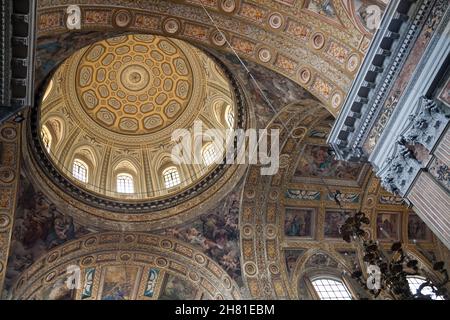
(54,126)
(80,170)
(165,160)
(219,107)
(48,90)
(87,155)
(129,174)
(308,48)
(139,251)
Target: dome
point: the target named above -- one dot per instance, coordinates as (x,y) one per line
(109,111)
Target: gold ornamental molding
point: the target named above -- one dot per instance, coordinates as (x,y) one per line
(9,181)
(320,53)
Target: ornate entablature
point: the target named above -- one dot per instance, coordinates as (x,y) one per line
(380,89)
(17,43)
(396,114)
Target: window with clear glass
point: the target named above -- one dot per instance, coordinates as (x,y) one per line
(209,154)
(171,177)
(125,183)
(229,115)
(80,170)
(330,289)
(414,284)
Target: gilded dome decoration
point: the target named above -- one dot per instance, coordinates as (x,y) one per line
(141,83)
(114,105)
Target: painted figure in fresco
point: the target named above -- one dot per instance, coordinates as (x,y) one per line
(39,226)
(216,234)
(116,293)
(57,291)
(63,230)
(321,260)
(316,161)
(387,226)
(417,229)
(297,224)
(333,223)
(37,220)
(177,289)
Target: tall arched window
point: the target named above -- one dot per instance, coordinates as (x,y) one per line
(46,138)
(171,177)
(415,282)
(209,154)
(125,183)
(331,289)
(229,116)
(80,170)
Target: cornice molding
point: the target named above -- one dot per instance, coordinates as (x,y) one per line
(388,52)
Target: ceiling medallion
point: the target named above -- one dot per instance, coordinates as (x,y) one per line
(4,221)
(275,20)
(336,100)
(122,18)
(218,38)
(353,63)
(135,77)
(7,175)
(228,6)
(171,26)
(264,55)
(304,75)
(318,40)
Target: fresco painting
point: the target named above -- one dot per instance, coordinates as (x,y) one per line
(39,226)
(318,162)
(333,222)
(388,226)
(177,289)
(299,222)
(417,229)
(119,282)
(217,234)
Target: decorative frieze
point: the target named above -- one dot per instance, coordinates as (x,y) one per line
(425,128)
(9,180)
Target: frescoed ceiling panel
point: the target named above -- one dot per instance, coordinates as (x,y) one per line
(265,236)
(317,44)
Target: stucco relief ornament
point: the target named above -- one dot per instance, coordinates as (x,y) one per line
(73,21)
(427,125)
(400,170)
(228,5)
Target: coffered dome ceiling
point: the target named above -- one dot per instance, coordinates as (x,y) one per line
(113,106)
(135,85)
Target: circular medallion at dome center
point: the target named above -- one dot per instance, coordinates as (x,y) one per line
(135,78)
(135,84)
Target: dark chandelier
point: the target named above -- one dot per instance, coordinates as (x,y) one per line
(393,270)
